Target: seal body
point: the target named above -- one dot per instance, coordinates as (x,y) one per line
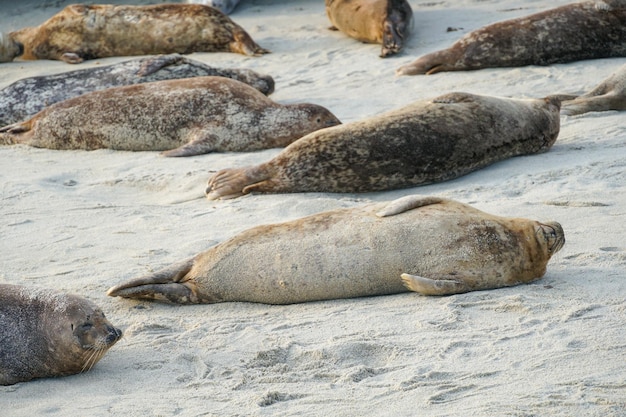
(578,31)
(26,97)
(608,95)
(425,142)
(387,22)
(80,32)
(9,48)
(44,333)
(426,244)
(190,116)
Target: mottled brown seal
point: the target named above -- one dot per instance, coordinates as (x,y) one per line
(373,21)
(186,117)
(585,30)
(9,48)
(28,96)
(425,142)
(447,247)
(608,95)
(45,333)
(80,32)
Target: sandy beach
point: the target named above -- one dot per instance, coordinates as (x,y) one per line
(83,221)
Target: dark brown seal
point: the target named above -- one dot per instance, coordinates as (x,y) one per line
(80,32)
(425,142)
(449,247)
(28,96)
(608,95)
(585,30)
(45,333)
(186,117)
(374,21)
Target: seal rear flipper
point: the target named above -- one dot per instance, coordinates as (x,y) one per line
(244,44)
(427,64)
(153,64)
(407,203)
(427,286)
(587,104)
(233,182)
(204,144)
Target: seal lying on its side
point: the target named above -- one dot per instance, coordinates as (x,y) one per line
(609,95)
(190,116)
(80,32)
(9,48)
(585,30)
(374,21)
(45,333)
(28,96)
(448,247)
(427,141)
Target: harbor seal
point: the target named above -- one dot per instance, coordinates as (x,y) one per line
(430,245)
(190,116)
(373,21)
(425,142)
(9,48)
(45,333)
(608,95)
(28,96)
(578,31)
(80,32)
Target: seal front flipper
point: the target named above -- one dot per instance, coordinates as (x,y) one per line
(427,286)
(154,64)
(204,143)
(407,203)
(71,58)
(235,182)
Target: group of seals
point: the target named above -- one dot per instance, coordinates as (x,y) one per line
(374,21)
(610,94)
(430,245)
(585,30)
(28,96)
(185,117)
(80,32)
(427,141)
(46,333)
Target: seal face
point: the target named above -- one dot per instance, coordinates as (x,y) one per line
(442,247)
(578,31)
(44,333)
(80,32)
(425,142)
(374,21)
(9,48)
(26,97)
(608,95)
(185,117)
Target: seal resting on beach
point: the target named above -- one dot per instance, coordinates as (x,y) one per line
(430,245)
(609,95)
(80,32)
(45,333)
(373,21)
(425,142)
(28,96)
(185,117)
(578,31)
(9,48)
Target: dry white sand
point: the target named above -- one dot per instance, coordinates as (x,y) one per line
(84,221)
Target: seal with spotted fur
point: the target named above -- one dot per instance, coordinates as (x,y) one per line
(80,32)
(430,245)
(373,21)
(28,96)
(425,142)
(608,95)
(185,117)
(45,333)
(585,30)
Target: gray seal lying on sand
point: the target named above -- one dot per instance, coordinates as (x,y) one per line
(80,32)
(186,117)
(608,95)
(424,142)
(585,30)
(374,21)
(28,96)
(430,245)
(45,333)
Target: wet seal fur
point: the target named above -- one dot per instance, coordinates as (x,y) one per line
(425,142)
(9,48)
(578,31)
(387,22)
(45,333)
(430,245)
(190,116)
(28,96)
(80,32)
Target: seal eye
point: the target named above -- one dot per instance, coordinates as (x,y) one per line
(319,120)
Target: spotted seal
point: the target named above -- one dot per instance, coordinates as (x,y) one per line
(427,141)
(185,117)
(373,21)
(430,245)
(585,30)
(80,32)
(45,333)
(608,95)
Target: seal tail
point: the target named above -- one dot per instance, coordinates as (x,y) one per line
(234,182)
